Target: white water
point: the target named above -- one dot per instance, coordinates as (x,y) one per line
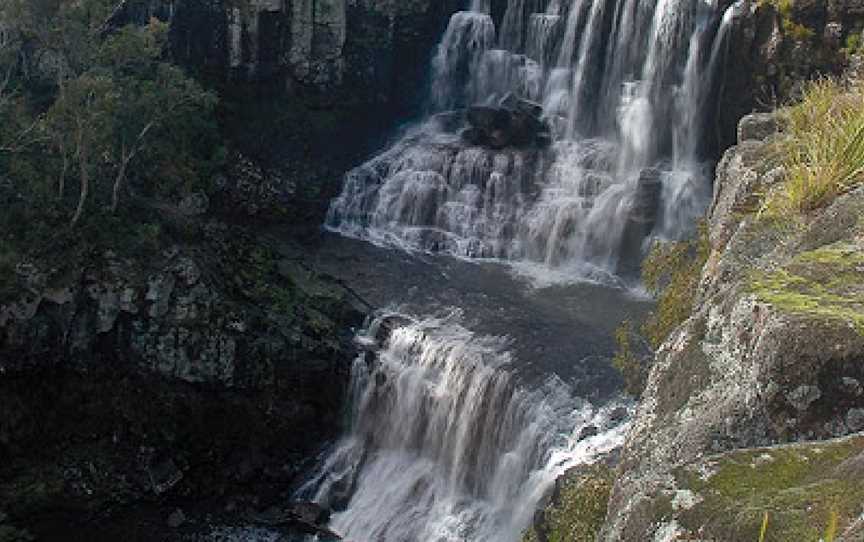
(626,85)
(445,445)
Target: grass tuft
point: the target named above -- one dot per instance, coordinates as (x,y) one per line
(822,148)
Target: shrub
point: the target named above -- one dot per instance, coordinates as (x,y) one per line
(822,147)
(672,272)
(633,368)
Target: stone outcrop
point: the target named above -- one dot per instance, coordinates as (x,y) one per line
(363,51)
(515,122)
(211,368)
(771,354)
(775,46)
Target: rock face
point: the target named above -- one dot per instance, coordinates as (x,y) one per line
(184,373)
(376,52)
(771,354)
(776,46)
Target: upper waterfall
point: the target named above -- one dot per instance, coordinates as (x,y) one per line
(614,95)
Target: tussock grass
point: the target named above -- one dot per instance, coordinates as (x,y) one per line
(822,147)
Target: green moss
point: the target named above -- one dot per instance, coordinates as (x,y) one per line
(672,272)
(631,366)
(824,283)
(578,509)
(799,487)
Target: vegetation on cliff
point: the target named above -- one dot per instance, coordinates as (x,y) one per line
(87,113)
(821,147)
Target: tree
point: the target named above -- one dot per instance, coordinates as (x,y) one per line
(154,96)
(81,120)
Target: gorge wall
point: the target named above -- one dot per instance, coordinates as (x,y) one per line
(347,51)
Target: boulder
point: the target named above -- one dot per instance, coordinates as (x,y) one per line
(640,221)
(757,126)
(515,123)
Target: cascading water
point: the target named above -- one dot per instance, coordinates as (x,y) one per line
(626,90)
(445,444)
(561,138)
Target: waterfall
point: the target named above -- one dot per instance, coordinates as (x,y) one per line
(625,88)
(445,444)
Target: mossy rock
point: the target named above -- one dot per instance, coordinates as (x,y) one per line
(826,283)
(809,492)
(577,508)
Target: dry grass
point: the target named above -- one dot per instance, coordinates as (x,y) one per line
(822,147)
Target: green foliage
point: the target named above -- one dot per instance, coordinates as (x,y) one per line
(672,272)
(579,508)
(632,367)
(822,148)
(89,114)
(795,30)
(853,44)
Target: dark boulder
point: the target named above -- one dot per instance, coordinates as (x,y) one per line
(516,123)
(640,221)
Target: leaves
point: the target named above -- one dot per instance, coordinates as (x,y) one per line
(81,100)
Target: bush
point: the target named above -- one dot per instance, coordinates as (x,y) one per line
(672,272)
(822,147)
(633,368)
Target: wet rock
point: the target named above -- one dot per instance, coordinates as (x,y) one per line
(310,512)
(176,519)
(518,123)
(618,415)
(588,432)
(449,121)
(851,386)
(803,396)
(640,221)
(386,326)
(855,419)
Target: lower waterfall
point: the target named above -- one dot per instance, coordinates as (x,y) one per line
(445,443)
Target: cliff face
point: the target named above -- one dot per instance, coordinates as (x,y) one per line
(775,46)
(211,369)
(355,51)
(771,354)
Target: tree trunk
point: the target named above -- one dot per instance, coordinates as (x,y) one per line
(119,180)
(85,184)
(62,182)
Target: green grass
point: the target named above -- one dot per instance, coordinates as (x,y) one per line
(822,148)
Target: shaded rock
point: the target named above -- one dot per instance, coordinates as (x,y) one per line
(855,419)
(640,221)
(310,512)
(588,432)
(518,124)
(803,396)
(176,519)
(449,121)
(195,204)
(619,414)
(758,126)
(164,476)
(851,386)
